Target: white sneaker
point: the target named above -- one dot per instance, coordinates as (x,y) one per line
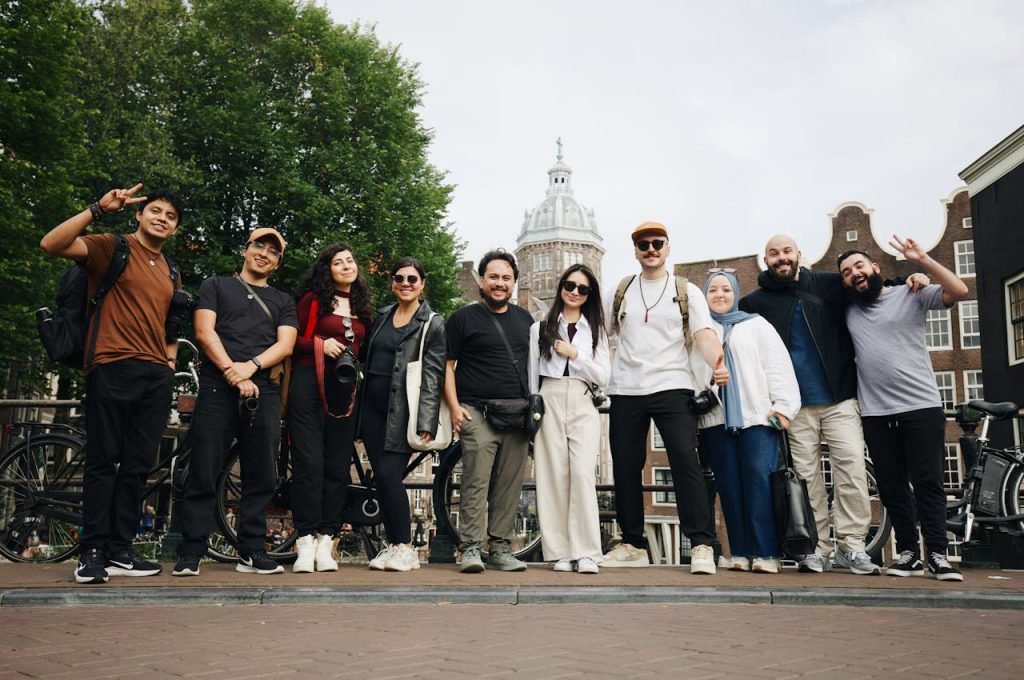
(563,565)
(625,555)
(702,560)
(587,565)
(324,559)
(306,548)
(766,565)
(734,563)
(382,557)
(403,558)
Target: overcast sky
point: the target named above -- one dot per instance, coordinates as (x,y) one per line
(728,121)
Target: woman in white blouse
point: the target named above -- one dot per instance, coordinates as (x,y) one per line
(568,364)
(740,437)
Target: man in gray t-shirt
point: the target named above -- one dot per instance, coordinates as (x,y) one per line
(901,411)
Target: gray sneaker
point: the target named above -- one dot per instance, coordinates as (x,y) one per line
(502,559)
(857,563)
(815,563)
(471,562)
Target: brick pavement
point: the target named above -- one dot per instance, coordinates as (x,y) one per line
(544,641)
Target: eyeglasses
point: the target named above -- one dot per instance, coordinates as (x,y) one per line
(643,244)
(722,270)
(570,286)
(350,334)
(260,246)
(400,279)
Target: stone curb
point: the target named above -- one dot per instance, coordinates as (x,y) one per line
(653,595)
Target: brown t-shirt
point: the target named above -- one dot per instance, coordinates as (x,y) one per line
(135,309)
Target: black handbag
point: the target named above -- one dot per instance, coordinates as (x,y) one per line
(794,518)
(514,414)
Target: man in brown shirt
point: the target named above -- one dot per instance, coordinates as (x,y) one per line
(129,376)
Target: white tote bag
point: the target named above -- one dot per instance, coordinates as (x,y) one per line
(413,380)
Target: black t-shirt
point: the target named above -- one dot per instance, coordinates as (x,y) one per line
(385,344)
(484,369)
(242,325)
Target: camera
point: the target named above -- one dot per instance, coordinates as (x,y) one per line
(179,314)
(703,403)
(345,368)
(247,406)
(597,396)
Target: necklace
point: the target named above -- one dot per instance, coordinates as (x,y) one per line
(152,253)
(648,308)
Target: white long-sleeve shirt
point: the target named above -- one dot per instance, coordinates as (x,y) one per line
(766,381)
(589,366)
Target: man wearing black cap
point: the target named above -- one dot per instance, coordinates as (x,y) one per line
(655,316)
(246,329)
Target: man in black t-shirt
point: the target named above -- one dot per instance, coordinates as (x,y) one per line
(246,329)
(480,369)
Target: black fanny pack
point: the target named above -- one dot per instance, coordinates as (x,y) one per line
(506,414)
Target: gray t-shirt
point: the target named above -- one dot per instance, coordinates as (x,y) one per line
(894,371)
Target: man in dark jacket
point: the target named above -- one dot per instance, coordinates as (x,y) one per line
(808,311)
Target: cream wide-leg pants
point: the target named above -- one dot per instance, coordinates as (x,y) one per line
(565,457)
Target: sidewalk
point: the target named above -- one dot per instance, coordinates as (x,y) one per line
(24,585)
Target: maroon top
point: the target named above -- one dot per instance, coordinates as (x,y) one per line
(329,326)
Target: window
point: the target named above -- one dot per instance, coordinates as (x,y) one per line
(417,498)
(663,476)
(656,441)
(952,478)
(972,386)
(970,326)
(964,258)
(946,382)
(851,236)
(1015,318)
(967,223)
(936,330)
(570,258)
(543,262)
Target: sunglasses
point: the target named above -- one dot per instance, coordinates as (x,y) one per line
(260,246)
(570,286)
(401,278)
(350,334)
(643,244)
(722,270)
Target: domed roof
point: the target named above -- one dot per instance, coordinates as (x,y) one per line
(559,217)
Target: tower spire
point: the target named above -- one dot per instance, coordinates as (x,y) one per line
(558,156)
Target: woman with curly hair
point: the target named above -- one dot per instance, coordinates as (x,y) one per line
(333,305)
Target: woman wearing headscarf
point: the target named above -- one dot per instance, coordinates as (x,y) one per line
(740,436)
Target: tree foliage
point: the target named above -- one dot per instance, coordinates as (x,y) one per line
(259,112)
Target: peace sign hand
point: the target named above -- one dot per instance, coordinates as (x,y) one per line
(115,199)
(909,248)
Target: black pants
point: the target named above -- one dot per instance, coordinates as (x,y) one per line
(388,466)
(215,424)
(126,408)
(908,448)
(321,457)
(629,423)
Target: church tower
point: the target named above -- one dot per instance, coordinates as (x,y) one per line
(557,233)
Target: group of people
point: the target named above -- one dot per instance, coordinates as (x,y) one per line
(779,360)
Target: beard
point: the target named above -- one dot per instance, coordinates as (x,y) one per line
(492,302)
(869,295)
(794,268)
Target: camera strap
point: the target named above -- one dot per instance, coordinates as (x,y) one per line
(508,347)
(319,368)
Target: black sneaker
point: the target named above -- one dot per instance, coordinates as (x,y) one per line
(907,564)
(91,567)
(125,563)
(258,563)
(188,565)
(940,569)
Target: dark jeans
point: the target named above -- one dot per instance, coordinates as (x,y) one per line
(742,463)
(908,448)
(321,457)
(126,408)
(629,424)
(388,466)
(215,424)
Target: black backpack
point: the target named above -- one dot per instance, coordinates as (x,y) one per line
(64,331)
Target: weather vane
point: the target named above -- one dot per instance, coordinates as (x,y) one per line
(559,143)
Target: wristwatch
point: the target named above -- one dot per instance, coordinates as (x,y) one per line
(259,366)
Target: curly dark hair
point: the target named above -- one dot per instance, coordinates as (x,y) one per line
(498,254)
(318,280)
(592,310)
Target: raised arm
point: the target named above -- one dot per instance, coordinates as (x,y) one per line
(953,289)
(64,239)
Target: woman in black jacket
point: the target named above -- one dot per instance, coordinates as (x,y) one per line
(394,341)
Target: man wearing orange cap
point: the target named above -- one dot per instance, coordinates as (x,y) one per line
(655,317)
(246,329)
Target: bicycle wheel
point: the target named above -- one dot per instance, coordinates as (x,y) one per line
(446,496)
(280,539)
(879,527)
(1013,496)
(41,499)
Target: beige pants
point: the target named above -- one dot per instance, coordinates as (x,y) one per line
(838,425)
(493,465)
(565,455)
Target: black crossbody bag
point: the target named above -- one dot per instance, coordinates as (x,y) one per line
(514,414)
